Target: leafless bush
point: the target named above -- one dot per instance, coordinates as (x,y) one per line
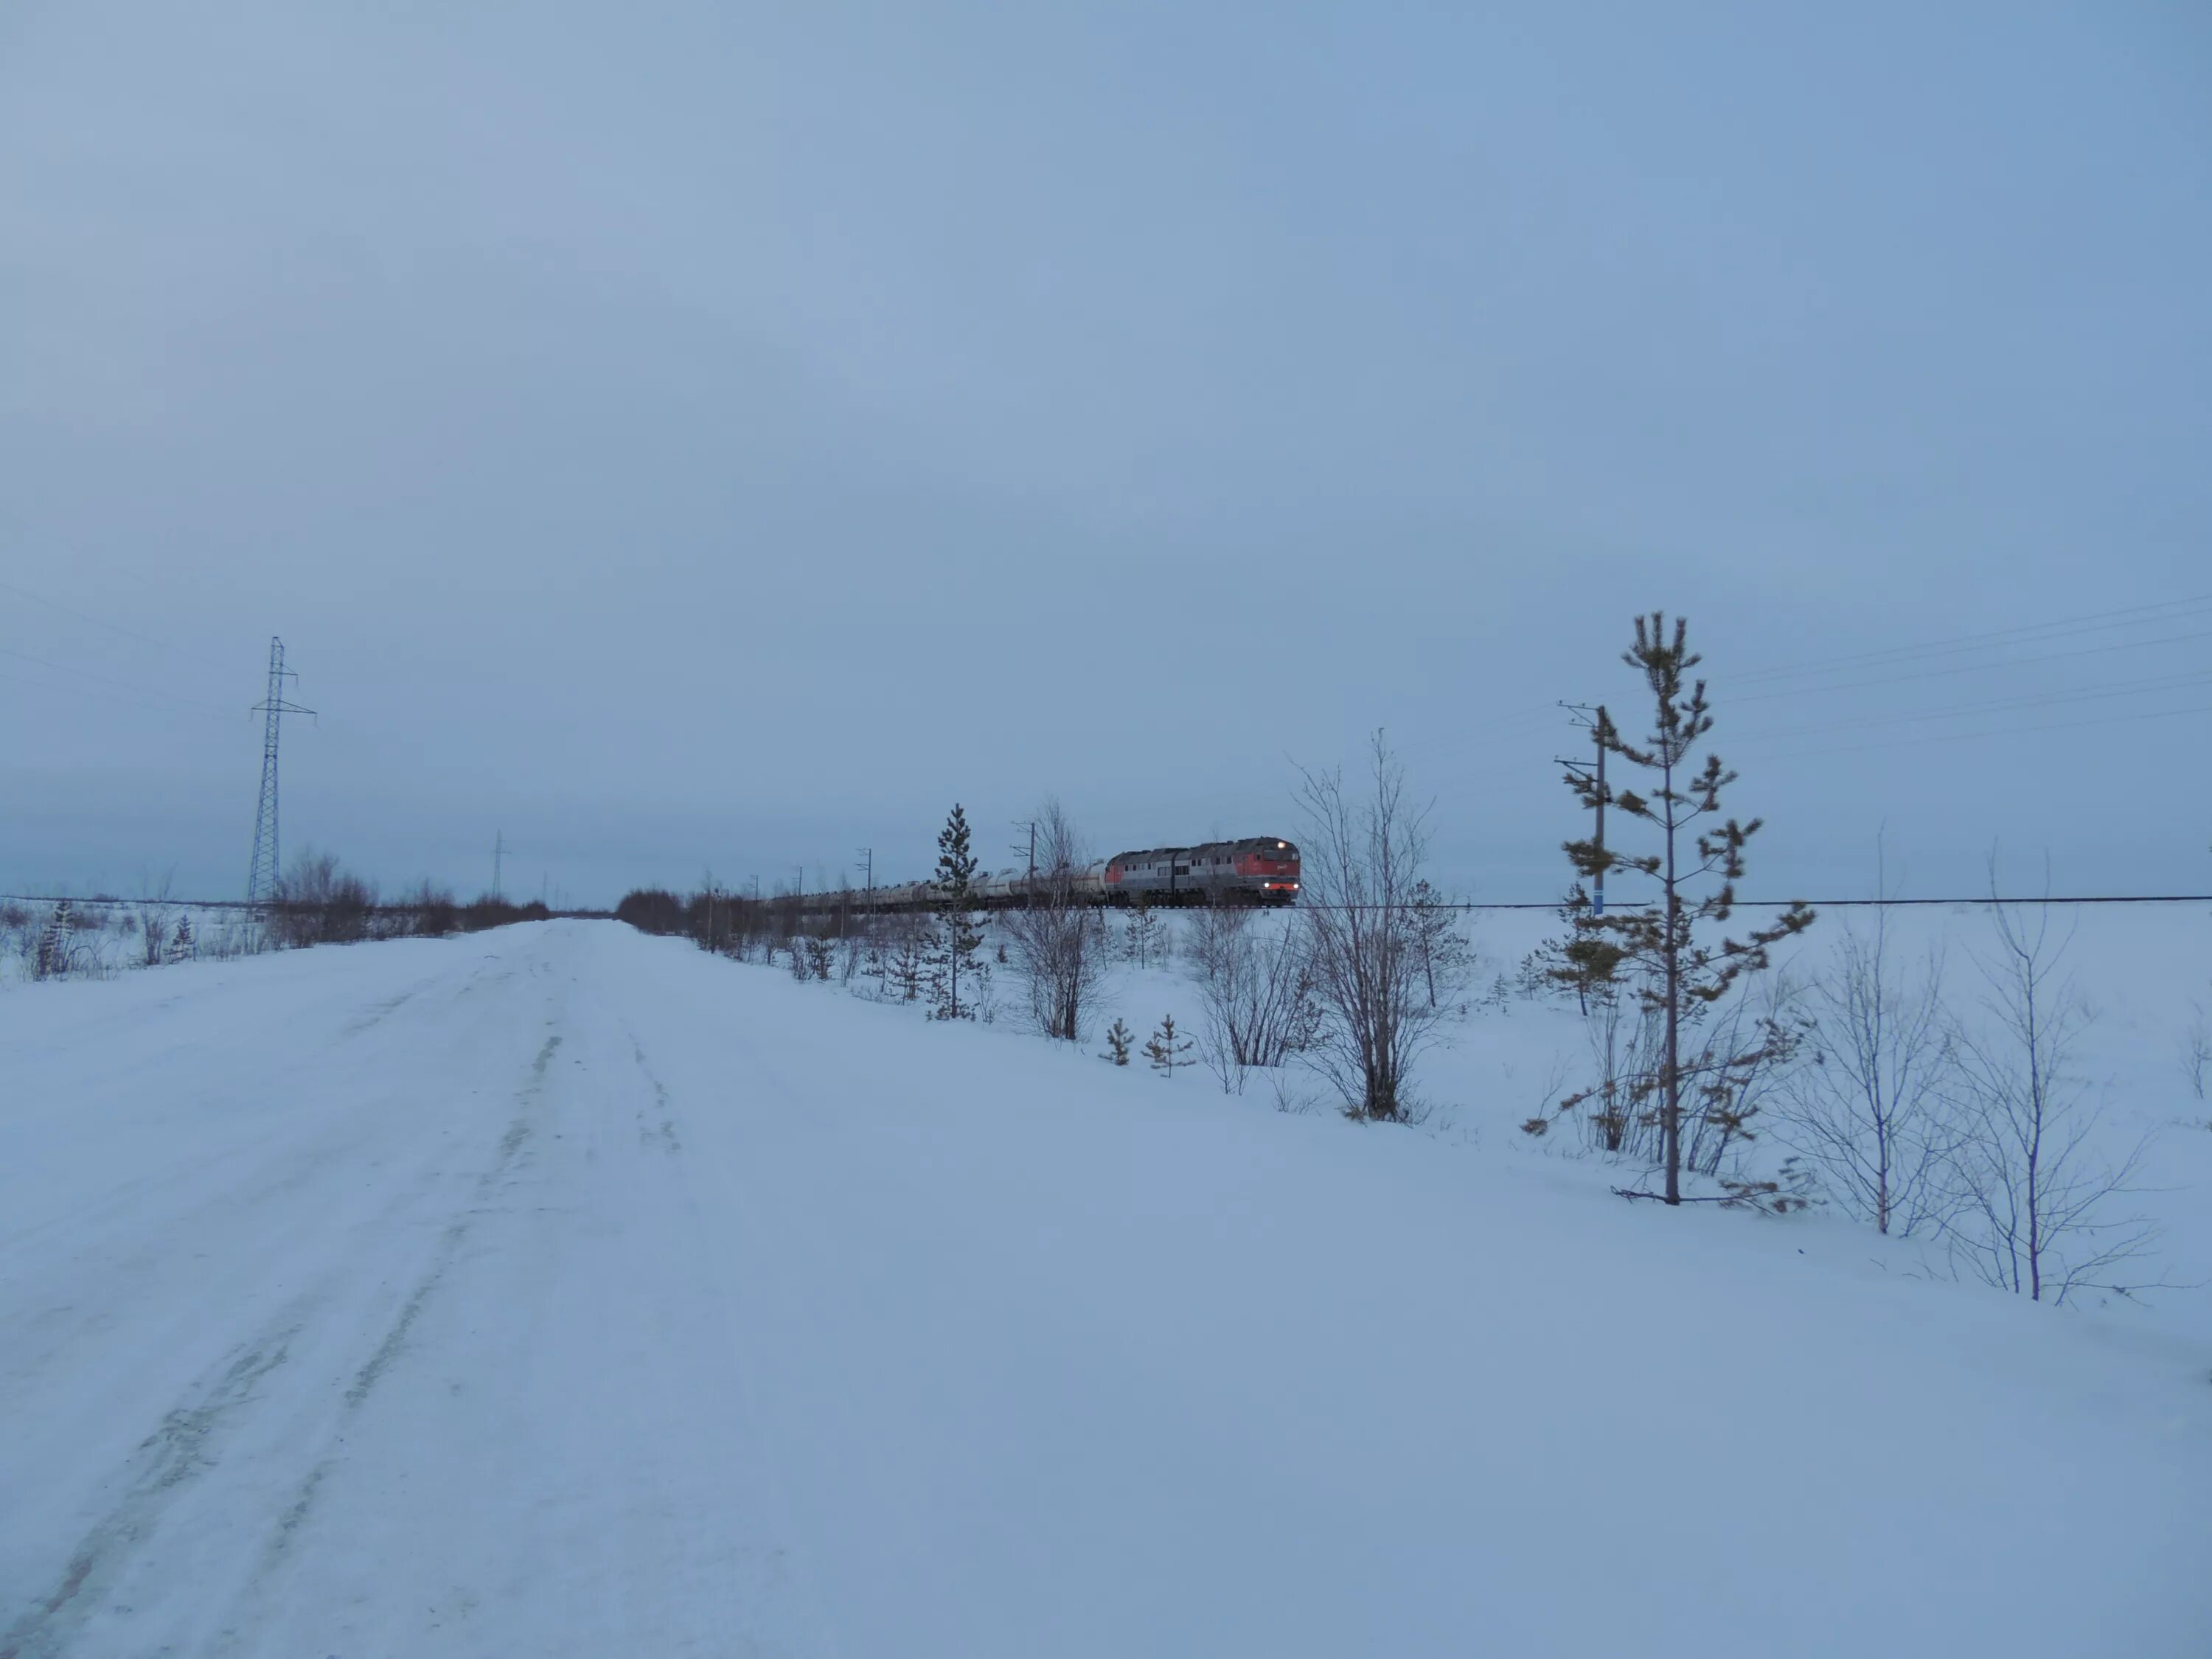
(1058,939)
(154,913)
(1868,1104)
(428,912)
(1255,984)
(1363,856)
(1744,1056)
(319,901)
(2040,1212)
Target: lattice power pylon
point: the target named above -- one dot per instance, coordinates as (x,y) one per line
(261,873)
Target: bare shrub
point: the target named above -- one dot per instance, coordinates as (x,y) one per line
(650,910)
(154,910)
(1868,1106)
(1255,983)
(1363,856)
(1057,939)
(2040,1212)
(319,901)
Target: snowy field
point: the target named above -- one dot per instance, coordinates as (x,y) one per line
(561,1291)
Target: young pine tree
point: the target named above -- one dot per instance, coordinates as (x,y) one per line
(959,931)
(1119,1037)
(1141,943)
(1677,970)
(181,943)
(909,962)
(1168,1050)
(57,941)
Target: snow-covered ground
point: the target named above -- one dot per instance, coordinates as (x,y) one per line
(563,1290)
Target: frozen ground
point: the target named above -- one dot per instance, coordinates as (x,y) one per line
(561,1291)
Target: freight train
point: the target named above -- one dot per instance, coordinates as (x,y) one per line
(1258,870)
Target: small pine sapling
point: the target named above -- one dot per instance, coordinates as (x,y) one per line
(182,945)
(958,935)
(1168,1050)
(56,943)
(1678,971)
(1119,1038)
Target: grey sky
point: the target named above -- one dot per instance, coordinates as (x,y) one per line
(713,435)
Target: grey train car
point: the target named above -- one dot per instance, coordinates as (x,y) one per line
(1259,870)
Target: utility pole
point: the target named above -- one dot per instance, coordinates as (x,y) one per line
(498,856)
(262,871)
(1597,723)
(869,853)
(1028,824)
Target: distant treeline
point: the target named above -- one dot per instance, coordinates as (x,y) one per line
(730,923)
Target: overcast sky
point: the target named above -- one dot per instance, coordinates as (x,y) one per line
(690,436)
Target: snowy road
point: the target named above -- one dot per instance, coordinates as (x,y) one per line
(393,1324)
(562,1292)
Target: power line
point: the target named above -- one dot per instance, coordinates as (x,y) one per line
(1971,668)
(2150,686)
(104,679)
(111,627)
(2095,622)
(2003,732)
(131,698)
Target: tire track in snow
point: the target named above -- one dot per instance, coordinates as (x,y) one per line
(191,1435)
(188,1442)
(388,1351)
(667,1136)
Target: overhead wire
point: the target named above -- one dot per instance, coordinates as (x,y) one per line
(2029,633)
(2150,686)
(105,679)
(1972,668)
(2001,732)
(117,628)
(130,696)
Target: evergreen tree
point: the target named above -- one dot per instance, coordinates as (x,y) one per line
(1142,942)
(181,943)
(1167,1050)
(1440,946)
(1678,971)
(909,962)
(1119,1037)
(959,931)
(56,940)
